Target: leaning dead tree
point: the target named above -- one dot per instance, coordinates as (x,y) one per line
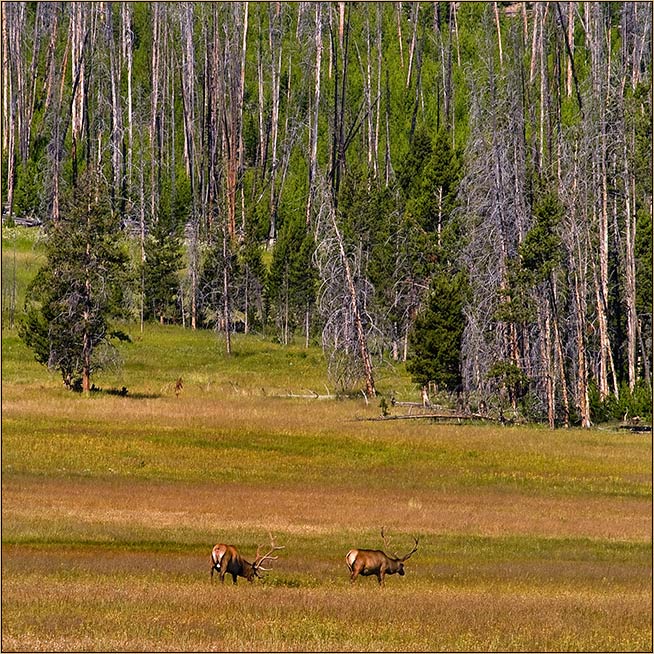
(342,302)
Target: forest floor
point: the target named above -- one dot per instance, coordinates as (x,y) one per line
(530,539)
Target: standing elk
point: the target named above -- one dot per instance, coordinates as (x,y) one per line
(225,559)
(376,562)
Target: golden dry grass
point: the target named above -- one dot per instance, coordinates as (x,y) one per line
(67,600)
(530,540)
(214,507)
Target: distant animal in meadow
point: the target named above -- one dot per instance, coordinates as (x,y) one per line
(226,559)
(179,384)
(376,562)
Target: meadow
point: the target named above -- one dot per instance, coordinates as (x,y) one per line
(530,539)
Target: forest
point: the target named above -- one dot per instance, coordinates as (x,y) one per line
(462,186)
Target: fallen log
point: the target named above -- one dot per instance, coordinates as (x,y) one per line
(310,396)
(437,416)
(637,428)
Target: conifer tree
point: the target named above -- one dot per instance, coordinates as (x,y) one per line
(163,256)
(436,336)
(80,288)
(291,283)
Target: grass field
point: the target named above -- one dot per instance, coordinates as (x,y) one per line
(530,540)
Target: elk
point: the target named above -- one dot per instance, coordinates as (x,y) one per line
(225,559)
(376,562)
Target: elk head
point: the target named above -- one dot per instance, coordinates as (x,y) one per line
(396,558)
(260,559)
(226,559)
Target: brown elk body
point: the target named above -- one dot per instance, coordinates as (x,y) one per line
(226,559)
(376,562)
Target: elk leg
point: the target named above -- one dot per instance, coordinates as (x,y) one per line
(234,577)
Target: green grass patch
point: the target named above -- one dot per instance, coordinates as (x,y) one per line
(529,539)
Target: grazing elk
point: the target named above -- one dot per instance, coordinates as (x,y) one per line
(376,562)
(225,559)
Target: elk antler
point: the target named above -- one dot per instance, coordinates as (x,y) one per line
(260,559)
(404,558)
(386,547)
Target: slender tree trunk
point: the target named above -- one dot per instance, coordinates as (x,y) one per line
(412,48)
(630,271)
(274,37)
(116,137)
(6,79)
(546,359)
(226,293)
(128,55)
(358,324)
(313,146)
(398,6)
(154,105)
(78,28)
(499,32)
(558,348)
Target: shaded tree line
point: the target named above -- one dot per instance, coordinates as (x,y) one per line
(463,186)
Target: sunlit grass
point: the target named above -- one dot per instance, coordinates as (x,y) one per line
(529,539)
(156,602)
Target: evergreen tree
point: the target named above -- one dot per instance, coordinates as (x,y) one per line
(251,282)
(163,257)
(79,289)
(433,197)
(291,283)
(436,336)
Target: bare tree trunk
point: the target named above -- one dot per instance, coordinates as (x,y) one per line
(582,373)
(387,152)
(378,109)
(154,104)
(546,358)
(571,46)
(630,270)
(412,48)
(226,294)
(361,336)
(313,146)
(9,41)
(453,9)
(116,114)
(275,41)
(398,6)
(128,54)
(78,28)
(6,80)
(499,32)
(558,349)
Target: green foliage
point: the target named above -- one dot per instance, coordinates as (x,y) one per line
(80,287)
(630,404)
(29,188)
(540,251)
(510,380)
(164,247)
(436,336)
(291,282)
(434,185)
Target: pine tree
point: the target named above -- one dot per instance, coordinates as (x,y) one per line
(163,257)
(79,289)
(291,283)
(436,336)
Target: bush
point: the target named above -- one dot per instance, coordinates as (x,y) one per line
(629,404)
